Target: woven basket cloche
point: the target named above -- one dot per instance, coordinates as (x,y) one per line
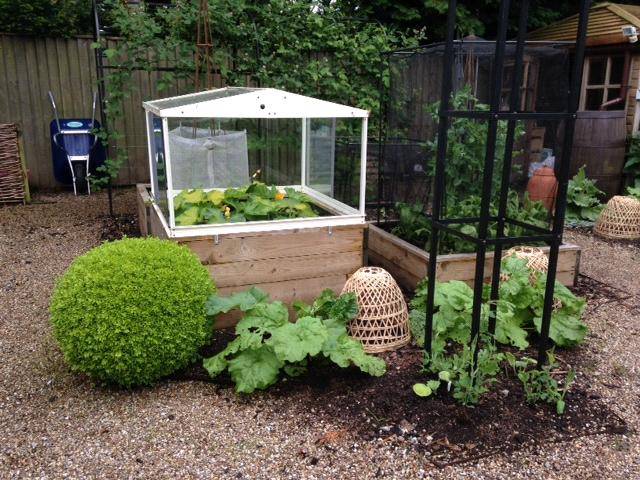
(620,219)
(382,321)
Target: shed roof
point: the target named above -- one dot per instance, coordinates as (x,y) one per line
(605,25)
(243,102)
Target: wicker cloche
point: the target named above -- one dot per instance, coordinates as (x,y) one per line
(382,321)
(536,259)
(620,219)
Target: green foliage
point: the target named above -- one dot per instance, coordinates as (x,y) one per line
(414,228)
(320,52)
(539,383)
(467,380)
(518,310)
(132,311)
(478,17)
(632,165)
(583,203)
(268,344)
(634,191)
(252,202)
(467,140)
(60,18)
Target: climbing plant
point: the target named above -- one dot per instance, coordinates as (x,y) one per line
(277,43)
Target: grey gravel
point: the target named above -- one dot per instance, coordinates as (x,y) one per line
(57,424)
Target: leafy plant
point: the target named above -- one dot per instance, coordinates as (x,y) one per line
(467,380)
(121,315)
(582,199)
(256,201)
(634,191)
(414,227)
(540,384)
(632,165)
(466,141)
(518,310)
(267,343)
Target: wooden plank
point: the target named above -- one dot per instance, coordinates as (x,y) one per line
(23,54)
(404,278)
(254,272)
(305,290)
(399,252)
(408,264)
(155,224)
(277,245)
(144,204)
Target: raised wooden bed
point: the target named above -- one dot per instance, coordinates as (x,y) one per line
(290,265)
(408,263)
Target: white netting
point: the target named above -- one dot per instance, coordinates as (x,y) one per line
(321,157)
(204,158)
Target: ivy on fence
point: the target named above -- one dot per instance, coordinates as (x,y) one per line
(278,43)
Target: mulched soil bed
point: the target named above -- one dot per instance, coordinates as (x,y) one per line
(445,432)
(118,226)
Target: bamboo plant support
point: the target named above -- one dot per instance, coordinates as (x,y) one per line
(382,320)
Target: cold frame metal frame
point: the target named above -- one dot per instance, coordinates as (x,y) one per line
(439,224)
(242,102)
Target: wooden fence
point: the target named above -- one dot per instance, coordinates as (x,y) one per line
(31,66)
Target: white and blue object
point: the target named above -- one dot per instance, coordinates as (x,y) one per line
(75,150)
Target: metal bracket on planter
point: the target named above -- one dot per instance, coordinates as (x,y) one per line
(216,239)
(330,230)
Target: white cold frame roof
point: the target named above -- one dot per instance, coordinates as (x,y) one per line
(242,102)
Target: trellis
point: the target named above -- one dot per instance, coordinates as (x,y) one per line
(492,116)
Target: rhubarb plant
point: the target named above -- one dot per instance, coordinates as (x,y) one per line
(268,345)
(518,310)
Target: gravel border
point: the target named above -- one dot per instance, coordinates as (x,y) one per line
(56,424)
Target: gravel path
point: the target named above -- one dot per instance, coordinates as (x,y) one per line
(54,423)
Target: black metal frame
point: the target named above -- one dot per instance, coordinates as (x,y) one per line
(553,237)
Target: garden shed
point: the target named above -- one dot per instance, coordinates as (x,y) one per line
(609,109)
(253,180)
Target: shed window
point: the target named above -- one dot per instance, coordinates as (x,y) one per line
(602,83)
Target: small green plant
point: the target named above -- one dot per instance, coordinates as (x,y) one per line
(132,311)
(256,201)
(467,381)
(583,202)
(539,383)
(267,343)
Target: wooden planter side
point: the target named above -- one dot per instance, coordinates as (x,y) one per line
(290,265)
(143,202)
(408,263)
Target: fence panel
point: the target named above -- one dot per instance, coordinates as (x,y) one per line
(30,66)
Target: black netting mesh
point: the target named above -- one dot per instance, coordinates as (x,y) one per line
(409,142)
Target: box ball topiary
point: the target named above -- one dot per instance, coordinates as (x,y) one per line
(132,311)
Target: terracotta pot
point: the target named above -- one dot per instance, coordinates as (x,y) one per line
(543,186)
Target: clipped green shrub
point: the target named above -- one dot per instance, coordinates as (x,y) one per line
(132,311)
